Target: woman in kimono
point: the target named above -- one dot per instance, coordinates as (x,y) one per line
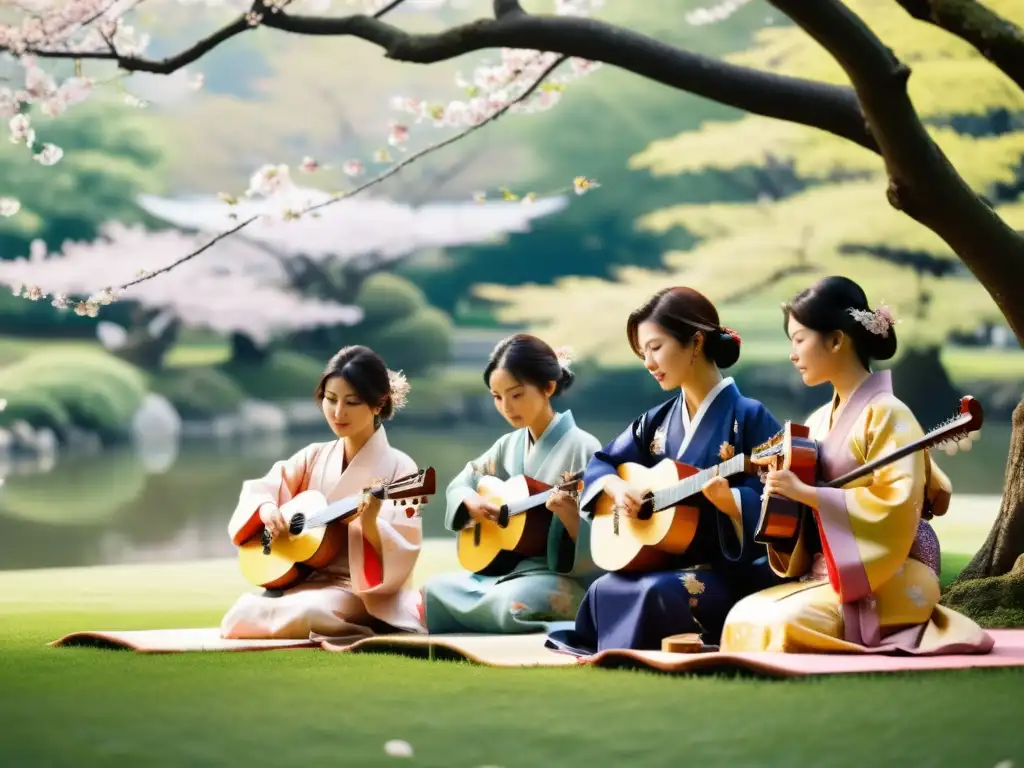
(867,563)
(363,591)
(678,335)
(523,374)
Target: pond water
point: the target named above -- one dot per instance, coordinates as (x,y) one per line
(125,507)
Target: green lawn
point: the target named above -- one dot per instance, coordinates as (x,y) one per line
(83,707)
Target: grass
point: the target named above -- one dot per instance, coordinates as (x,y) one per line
(289,708)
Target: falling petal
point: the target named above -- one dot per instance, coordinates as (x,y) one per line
(398,748)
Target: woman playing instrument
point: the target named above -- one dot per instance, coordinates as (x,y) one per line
(362,591)
(520,595)
(678,335)
(867,563)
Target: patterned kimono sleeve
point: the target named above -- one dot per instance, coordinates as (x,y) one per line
(285,480)
(868,528)
(755,425)
(627,447)
(565,556)
(401,536)
(463,485)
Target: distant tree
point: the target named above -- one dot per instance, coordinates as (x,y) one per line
(232,292)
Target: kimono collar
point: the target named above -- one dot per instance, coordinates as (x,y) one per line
(703,407)
(835,453)
(560,425)
(372,449)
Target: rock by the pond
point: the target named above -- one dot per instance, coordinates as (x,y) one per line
(256,416)
(46,440)
(156,419)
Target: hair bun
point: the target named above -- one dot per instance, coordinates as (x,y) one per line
(726,348)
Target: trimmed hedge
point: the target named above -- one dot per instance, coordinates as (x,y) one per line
(62,386)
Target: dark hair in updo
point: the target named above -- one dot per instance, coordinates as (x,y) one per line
(682,312)
(366,373)
(529,360)
(825,308)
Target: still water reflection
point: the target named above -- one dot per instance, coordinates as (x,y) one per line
(123,507)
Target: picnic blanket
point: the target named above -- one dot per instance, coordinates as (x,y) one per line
(529,651)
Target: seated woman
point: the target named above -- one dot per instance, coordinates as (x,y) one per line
(678,336)
(866,561)
(523,374)
(362,592)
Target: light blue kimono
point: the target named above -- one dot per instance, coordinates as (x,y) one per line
(537,590)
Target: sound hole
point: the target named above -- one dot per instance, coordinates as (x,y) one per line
(297,524)
(646,510)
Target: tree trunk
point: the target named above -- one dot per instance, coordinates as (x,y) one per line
(245,351)
(920,380)
(1005,542)
(148,351)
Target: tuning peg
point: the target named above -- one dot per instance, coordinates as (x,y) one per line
(949,448)
(964,444)
(425,499)
(975,435)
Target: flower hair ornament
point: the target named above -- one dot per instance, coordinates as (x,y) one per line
(732,335)
(398,389)
(877,321)
(564,357)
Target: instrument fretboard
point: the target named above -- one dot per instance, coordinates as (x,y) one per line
(691,486)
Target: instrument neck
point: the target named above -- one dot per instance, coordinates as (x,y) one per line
(692,485)
(524,505)
(336,511)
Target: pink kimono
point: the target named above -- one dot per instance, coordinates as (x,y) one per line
(360,593)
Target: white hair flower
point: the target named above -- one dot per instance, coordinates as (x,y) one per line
(398,389)
(564,357)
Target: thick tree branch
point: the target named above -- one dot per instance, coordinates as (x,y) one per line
(995,38)
(923,183)
(830,108)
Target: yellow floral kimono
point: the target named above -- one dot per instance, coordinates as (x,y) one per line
(861,584)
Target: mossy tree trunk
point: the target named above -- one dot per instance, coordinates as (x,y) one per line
(1005,542)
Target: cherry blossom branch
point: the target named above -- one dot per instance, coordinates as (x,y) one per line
(366,185)
(997,39)
(831,108)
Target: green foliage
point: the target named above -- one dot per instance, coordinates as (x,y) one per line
(386,298)
(97,391)
(814,204)
(112,153)
(39,409)
(198,393)
(417,342)
(283,375)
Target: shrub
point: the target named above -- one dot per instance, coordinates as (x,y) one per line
(198,393)
(98,392)
(282,375)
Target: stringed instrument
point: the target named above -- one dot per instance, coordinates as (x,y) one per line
(521,530)
(793,449)
(317,531)
(668,517)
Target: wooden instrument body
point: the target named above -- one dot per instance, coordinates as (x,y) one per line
(781,518)
(793,449)
(294,557)
(488,549)
(290,558)
(622,543)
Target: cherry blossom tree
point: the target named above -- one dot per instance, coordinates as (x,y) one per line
(223,293)
(865,101)
(330,253)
